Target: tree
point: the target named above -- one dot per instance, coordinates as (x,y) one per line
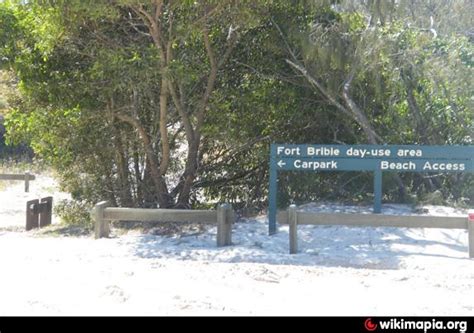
(386,68)
(149,103)
(171,27)
(145,68)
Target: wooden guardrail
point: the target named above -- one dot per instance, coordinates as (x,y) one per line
(26,177)
(294,217)
(224,218)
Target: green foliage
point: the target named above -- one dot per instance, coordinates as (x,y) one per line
(413,87)
(433,198)
(81,65)
(74,213)
(10,34)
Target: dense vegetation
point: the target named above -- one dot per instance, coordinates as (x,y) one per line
(174,103)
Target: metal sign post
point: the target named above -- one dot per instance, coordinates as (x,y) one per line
(374,158)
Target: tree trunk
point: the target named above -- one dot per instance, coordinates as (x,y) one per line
(162,32)
(125,194)
(162,194)
(189,175)
(357,113)
(351,109)
(165,145)
(148,186)
(194,135)
(138,176)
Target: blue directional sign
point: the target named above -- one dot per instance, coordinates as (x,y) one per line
(375,158)
(388,164)
(373,151)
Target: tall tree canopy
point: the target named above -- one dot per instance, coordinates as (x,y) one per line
(166,102)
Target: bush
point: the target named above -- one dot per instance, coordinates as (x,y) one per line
(433,198)
(74,212)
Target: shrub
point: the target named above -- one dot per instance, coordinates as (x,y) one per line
(74,212)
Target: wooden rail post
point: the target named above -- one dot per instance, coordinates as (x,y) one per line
(225,217)
(46,211)
(32,214)
(27,181)
(293,221)
(470,230)
(230,222)
(101,227)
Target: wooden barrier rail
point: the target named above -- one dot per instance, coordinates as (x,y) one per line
(224,218)
(294,217)
(26,177)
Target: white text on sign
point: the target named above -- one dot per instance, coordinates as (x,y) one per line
(322,151)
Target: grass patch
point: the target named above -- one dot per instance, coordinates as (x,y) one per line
(61,230)
(12,228)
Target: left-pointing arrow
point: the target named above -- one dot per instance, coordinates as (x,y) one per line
(281,164)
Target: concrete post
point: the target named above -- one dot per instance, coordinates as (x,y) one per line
(32,214)
(470,230)
(225,217)
(293,221)
(101,227)
(47,211)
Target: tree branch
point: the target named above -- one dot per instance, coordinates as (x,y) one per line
(211,80)
(354,112)
(287,45)
(188,128)
(153,27)
(231,43)
(359,116)
(319,87)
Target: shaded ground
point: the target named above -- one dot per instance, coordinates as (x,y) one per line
(339,271)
